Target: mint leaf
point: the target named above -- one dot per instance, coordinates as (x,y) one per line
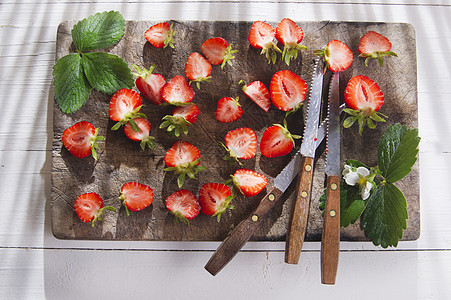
(70,85)
(98,31)
(397,152)
(384,218)
(106,72)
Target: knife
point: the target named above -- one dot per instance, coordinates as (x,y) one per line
(330,241)
(298,221)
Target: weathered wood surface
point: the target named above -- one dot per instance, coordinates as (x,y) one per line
(121,160)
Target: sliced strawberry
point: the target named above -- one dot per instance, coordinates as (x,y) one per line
(178,91)
(135,196)
(218,51)
(363,98)
(337,55)
(197,69)
(288,90)
(277,141)
(261,36)
(249,182)
(149,84)
(240,143)
(81,139)
(125,105)
(183,205)
(258,93)
(375,45)
(143,135)
(289,34)
(89,207)
(228,110)
(214,199)
(183,158)
(181,118)
(160,35)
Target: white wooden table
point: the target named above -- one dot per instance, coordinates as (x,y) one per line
(35,265)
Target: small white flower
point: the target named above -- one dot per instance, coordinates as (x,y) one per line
(353,176)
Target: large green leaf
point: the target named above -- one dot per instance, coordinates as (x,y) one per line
(106,72)
(70,85)
(98,31)
(397,152)
(384,218)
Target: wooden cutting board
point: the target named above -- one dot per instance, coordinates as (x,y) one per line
(121,160)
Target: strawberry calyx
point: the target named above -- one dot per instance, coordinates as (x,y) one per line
(226,204)
(199,80)
(175,125)
(228,56)
(93,140)
(287,133)
(325,54)
(190,169)
(143,73)
(290,52)
(365,116)
(231,157)
(147,142)
(128,118)
(270,50)
(379,55)
(98,215)
(179,217)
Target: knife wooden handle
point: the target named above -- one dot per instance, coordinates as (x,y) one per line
(241,233)
(299,214)
(330,242)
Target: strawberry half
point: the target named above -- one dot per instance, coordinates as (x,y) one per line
(240,143)
(337,56)
(89,207)
(197,69)
(249,182)
(228,110)
(375,45)
(160,35)
(288,90)
(363,98)
(81,139)
(257,92)
(183,205)
(184,159)
(142,135)
(289,34)
(261,36)
(125,105)
(218,51)
(277,141)
(181,118)
(150,85)
(178,91)
(135,196)
(214,199)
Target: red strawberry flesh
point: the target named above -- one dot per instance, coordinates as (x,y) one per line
(190,112)
(275,142)
(288,90)
(197,68)
(178,91)
(258,93)
(242,142)
(373,41)
(78,139)
(363,93)
(87,205)
(144,129)
(183,204)
(228,110)
(341,56)
(136,196)
(123,103)
(181,152)
(249,182)
(212,198)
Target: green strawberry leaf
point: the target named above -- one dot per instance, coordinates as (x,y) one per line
(98,31)
(107,72)
(384,218)
(70,85)
(397,152)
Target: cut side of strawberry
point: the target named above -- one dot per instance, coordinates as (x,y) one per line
(289,34)
(182,117)
(228,110)
(363,98)
(81,139)
(277,141)
(197,69)
(288,90)
(135,196)
(249,182)
(261,36)
(160,35)
(177,91)
(218,51)
(125,105)
(240,143)
(257,92)
(183,205)
(89,207)
(149,84)
(184,159)
(337,56)
(214,199)
(143,135)
(374,45)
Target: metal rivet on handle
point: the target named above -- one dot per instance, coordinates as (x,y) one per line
(333,186)
(254,218)
(271,197)
(332,213)
(304,194)
(308,168)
